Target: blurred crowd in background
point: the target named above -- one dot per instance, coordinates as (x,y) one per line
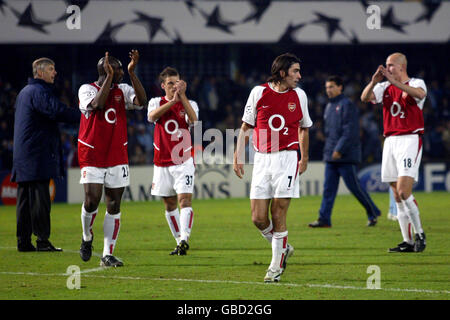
(222,96)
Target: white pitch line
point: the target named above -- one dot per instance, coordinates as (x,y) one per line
(297,285)
(309,285)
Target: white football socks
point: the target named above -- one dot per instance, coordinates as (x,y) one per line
(111,227)
(279,246)
(414,214)
(267,233)
(173,219)
(186,221)
(404,222)
(87,219)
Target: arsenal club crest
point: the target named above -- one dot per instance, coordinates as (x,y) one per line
(182,113)
(118,98)
(404,95)
(291,106)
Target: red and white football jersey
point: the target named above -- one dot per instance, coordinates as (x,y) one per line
(102,139)
(402,114)
(172,138)
(276,117)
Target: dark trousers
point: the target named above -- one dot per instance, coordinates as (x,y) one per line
(333,171)
(33,211)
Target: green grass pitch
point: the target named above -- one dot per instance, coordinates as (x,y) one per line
(228,256)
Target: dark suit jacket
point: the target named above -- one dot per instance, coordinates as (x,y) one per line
(37,153)
(341,126)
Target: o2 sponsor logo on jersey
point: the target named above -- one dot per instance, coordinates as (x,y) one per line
(370,178)
(110,118)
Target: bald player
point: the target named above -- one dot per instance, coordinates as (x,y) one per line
(403,99)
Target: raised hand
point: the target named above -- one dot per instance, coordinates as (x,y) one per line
(176,97)
(134,56)
(378,75)
(181,87)
(108,69)
(387,74)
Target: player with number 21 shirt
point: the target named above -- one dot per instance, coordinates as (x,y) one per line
(102,149)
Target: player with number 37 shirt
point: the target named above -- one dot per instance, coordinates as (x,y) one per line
(403,100)
(174,170)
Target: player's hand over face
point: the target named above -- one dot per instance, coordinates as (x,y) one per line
(181,87)
(378,75)
(176,97)
(134,56)
(108,69)
(387,74)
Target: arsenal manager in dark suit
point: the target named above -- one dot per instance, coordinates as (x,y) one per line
(37,154)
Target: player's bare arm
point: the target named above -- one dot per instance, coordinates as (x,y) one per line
(100,98)
(239,153)
(417,93)
(367,95)
(158,112)
(141,97)
(181,91)
(303,138)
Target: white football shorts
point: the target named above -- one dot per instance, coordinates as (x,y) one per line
(401,157)
(111,177)
(275,175)
(173,180)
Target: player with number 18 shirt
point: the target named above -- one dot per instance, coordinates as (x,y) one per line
(403,100)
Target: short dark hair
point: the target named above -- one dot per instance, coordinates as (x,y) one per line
(336,79)
(111,59)
(168,72)
(282,63)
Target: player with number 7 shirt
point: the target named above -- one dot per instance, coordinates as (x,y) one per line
(278,113)
(102,149)
(403,100)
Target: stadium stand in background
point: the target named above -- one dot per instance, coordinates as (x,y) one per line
(221,86)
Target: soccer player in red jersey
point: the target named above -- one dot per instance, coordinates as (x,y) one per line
(173,176)
(278,113)
(102,148)
(403,99)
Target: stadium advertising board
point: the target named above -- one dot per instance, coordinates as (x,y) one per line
(432,177)
(8,190)
(219,181)
(211,181)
